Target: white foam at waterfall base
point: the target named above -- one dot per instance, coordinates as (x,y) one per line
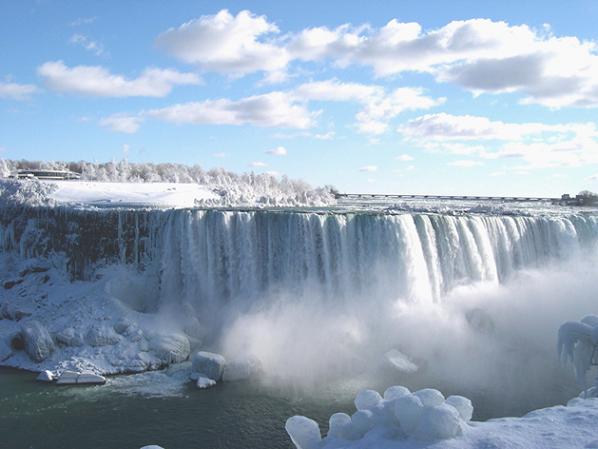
(484,338)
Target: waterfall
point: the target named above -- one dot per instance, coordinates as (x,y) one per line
(213,257)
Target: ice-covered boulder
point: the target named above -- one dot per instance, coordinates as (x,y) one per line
(102,335)
(396,392)
(408,410)
(438,423)
(69,337)
(208,364)
(367,399)
(362,421)
(37,340)
(170,348)
(204,382)
(45,376)
(462,405)
(340,426)
(430,397)
(304,432)
(74,378)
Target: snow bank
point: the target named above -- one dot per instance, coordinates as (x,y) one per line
(413,425)
(578,345)
(162,185)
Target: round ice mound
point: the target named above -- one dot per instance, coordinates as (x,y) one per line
(304,432)
(392,393)
(438,423)
(408,410)
(430,397)
(362,421)
(339,426)
(367,399)
(462,405)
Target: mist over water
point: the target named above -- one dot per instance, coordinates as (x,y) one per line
(474,301)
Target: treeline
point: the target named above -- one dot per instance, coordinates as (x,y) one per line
(250,187)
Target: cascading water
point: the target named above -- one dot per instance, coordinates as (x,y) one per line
(214,257)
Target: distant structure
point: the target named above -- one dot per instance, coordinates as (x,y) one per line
(582,199)
(45,174)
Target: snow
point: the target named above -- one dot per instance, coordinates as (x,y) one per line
(430,397)
(159,194)
(38,342)
(45,376)
(443,427)
(367,399)
(205,382)
(304,432)
(208,364)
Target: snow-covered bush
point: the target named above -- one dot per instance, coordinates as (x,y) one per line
(578,345)
(423,415)
(246,188)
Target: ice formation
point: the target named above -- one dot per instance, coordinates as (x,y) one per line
(578,345)
(423,415)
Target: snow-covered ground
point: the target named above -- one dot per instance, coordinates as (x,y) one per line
(158,194)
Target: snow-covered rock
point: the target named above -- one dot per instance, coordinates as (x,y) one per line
(304,432)
(438,422)
(69,337)
(45,376)
(38,342)
(362,421)
(204,382)
(339,426)
(170,348)
(102,335)
(68,377)
(408,410)
(463,405)
(430,397)
(367,399)
(395,392)
(208,364)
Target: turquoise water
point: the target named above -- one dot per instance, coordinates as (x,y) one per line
(236,415)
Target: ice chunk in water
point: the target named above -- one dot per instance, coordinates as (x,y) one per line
(304,432)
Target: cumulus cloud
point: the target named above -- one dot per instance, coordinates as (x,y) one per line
(235,45)
(97,81)
(122,123)
(278,151)
(538,144)
(379,107)
(88,44)
(15,91)
(480,55)
(275,109)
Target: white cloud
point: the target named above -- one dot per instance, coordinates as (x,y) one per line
(465,163)
(258,164)
(97,81)
(325,136)
(87,44)
(368,168)
(15,91)
(480,55)
(122,123)
(379,107)
(404,158)
(537,144)
(275,109)
(278,151)
(219,155)
(235,45)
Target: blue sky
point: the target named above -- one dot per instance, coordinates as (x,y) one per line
(405,96)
